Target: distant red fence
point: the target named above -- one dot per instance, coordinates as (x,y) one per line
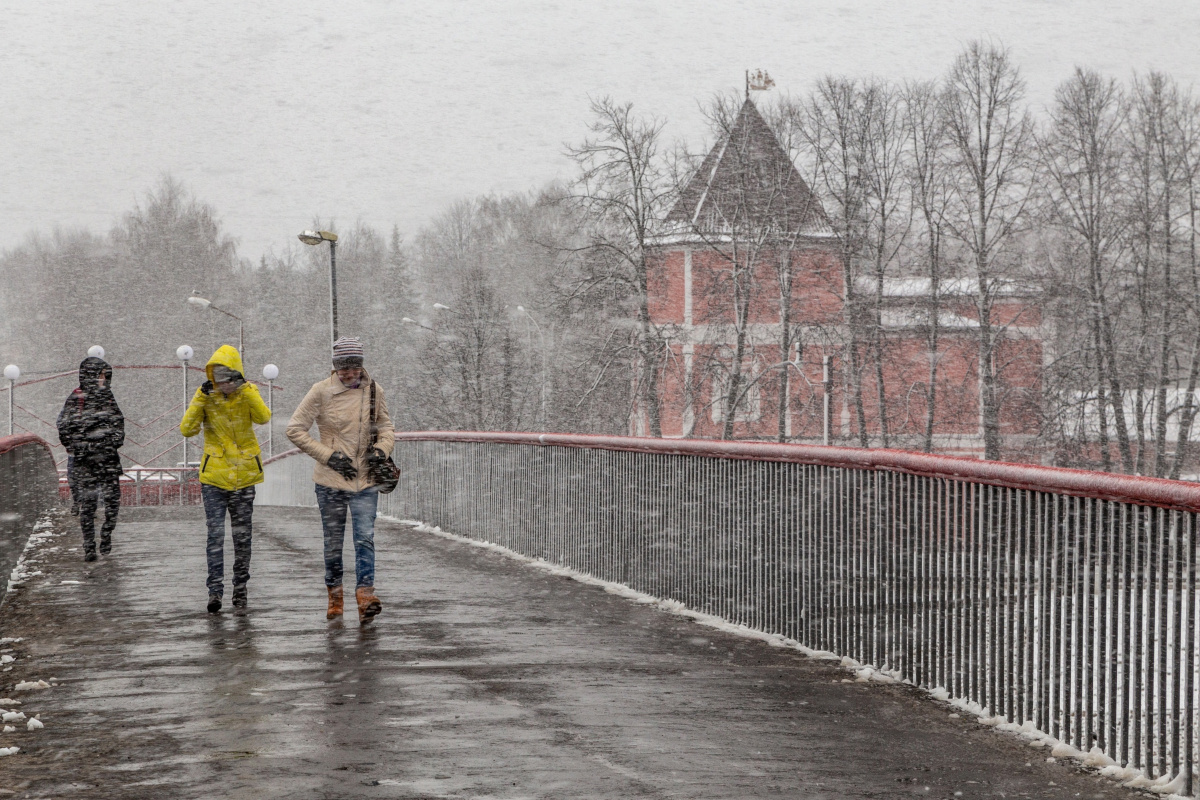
(169,486)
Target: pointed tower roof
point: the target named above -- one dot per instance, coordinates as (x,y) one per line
(747,179)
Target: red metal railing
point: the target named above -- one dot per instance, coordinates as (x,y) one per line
(1062,598)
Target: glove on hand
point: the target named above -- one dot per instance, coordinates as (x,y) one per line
(342,465)
(206,387)
(376,456)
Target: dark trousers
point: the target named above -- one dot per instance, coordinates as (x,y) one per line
(239,504)
(91,489)
(73,481)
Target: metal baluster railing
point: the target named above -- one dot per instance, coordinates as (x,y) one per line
(1064,599)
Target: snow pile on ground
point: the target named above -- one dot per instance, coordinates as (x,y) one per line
(43,531)
(8,751)
(863,673)
(29,686)
(34,724)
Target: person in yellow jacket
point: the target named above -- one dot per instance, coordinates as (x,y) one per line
(226,408)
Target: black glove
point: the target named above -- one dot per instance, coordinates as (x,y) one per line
(206,387)
(342,465)
(376,456)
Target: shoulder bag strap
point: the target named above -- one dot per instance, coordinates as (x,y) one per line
(374,429)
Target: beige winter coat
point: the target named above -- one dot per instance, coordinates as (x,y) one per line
(343,418)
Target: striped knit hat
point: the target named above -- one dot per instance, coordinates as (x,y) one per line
(347,352)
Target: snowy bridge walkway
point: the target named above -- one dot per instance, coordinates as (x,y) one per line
(483,678)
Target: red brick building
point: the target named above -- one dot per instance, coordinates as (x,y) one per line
(747,287)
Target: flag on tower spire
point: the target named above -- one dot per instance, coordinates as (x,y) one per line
(758,81)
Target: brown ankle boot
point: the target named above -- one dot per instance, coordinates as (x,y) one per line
(368,603)
(335,602)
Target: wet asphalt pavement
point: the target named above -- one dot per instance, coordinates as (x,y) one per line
(481,679)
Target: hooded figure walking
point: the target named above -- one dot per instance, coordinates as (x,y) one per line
(227,408)
(92,428)
(342,406)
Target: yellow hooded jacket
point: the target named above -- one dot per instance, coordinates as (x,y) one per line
(231,453)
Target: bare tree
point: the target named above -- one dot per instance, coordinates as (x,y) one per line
(991,145)
(835,141)
(1082,157)
(1187,135)
(888,216)
(1162,142)
(925,127)
(623,188)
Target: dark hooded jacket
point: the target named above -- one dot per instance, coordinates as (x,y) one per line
(91,426)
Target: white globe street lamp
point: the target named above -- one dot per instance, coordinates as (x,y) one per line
(96,351)
(184,354)
(12,372)
(270,373)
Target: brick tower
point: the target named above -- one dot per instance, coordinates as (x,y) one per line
(747,287)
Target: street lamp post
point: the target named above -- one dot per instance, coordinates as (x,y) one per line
(184,354)
(542,337)
(202,303)
(270,372)
(315,238)
(12,372)
(827,400)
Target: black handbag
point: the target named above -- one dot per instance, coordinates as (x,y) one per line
(383,471)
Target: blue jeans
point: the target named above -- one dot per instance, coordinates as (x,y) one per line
(333,504)
(240,505)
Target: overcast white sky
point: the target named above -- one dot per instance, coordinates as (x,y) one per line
(274,111)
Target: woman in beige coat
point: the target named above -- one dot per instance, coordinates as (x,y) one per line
(340,406)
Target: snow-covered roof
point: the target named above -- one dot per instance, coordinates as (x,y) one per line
(922,287)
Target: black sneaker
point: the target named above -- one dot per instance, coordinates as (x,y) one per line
(89,555)
(105,545)
(214,603)
(239,597)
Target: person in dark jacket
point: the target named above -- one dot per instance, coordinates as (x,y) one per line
(92,428)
